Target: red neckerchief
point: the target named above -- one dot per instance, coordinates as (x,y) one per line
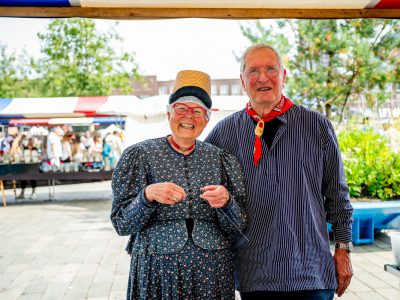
(283,105)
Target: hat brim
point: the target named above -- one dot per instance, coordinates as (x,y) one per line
(192,91)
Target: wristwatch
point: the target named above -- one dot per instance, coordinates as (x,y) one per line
(346,246)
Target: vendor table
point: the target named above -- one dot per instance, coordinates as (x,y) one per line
(31,172)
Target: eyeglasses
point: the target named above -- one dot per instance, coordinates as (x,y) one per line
(197,112)
(271,71)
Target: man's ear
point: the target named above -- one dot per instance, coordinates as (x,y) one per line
(243,84)
(168,115)
(284,77)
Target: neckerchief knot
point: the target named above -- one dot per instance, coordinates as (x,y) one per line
(283,105)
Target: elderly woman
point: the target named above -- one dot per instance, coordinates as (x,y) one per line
(180,200)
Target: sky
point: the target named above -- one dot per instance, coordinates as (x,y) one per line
(162,47)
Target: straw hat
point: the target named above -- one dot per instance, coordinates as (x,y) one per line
(192,83)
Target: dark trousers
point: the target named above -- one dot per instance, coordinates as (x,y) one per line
(24,184)
(296,295)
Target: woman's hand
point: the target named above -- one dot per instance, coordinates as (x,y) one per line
(164,192)
(216,195)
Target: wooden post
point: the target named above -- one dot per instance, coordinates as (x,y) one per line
(15,188)
(3,195)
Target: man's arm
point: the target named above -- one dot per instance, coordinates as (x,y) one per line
(337,205)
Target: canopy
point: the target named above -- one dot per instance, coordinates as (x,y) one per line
(233,9)
(33,108)
(63,121)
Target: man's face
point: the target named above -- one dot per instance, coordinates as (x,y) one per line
(263,78)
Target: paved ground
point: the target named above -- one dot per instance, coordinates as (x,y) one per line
(68,250)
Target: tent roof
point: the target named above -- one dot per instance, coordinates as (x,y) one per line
(34,109)
(229,9)
(17,108)
(63,121)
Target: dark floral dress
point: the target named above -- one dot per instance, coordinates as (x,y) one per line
(179,251)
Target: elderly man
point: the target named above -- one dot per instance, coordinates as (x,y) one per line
(295,181)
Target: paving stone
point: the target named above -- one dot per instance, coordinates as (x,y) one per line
(30,296)
(39,285)
(372,295)
(55,291)
(390,293)
(357,286)
(68,249)
(87,270)
(99,289)
(347,296)
(65,277)
(371,280)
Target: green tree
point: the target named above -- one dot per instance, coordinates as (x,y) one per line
(334,62)
(14,74)
(80,61)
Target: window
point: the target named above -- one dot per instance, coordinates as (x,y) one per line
(162,90)
(214,90)
(224,89)
(235,89)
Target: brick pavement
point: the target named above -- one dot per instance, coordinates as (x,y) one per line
(68,250)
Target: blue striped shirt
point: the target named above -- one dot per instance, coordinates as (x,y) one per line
(298,186)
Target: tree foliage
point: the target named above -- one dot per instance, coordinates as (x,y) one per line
(332,63)
(14,74)
(80,61)
(372,167)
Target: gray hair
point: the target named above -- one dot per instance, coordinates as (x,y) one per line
(256,47)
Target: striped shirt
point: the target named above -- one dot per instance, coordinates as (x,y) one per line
(298,186)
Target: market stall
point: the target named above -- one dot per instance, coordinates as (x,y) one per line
(34,117)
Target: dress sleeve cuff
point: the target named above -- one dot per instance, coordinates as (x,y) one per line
(145,202)
(228,207)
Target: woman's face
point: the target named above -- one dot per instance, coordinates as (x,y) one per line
(186,121)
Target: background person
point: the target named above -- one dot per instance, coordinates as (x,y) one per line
(77,149)
(54,147)
(30,147)
(295,181)
(179,237)
(66,143)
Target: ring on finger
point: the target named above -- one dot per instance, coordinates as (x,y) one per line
(175,199)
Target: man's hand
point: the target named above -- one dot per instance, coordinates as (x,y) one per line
(344,271)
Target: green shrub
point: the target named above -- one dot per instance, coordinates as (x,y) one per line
(372,168)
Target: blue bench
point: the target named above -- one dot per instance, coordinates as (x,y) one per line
(372,216)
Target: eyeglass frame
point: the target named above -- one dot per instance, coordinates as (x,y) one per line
(271,71)
(172,106)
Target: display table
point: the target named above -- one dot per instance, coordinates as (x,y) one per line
(18,172)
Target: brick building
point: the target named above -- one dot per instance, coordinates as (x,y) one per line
(149,86)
